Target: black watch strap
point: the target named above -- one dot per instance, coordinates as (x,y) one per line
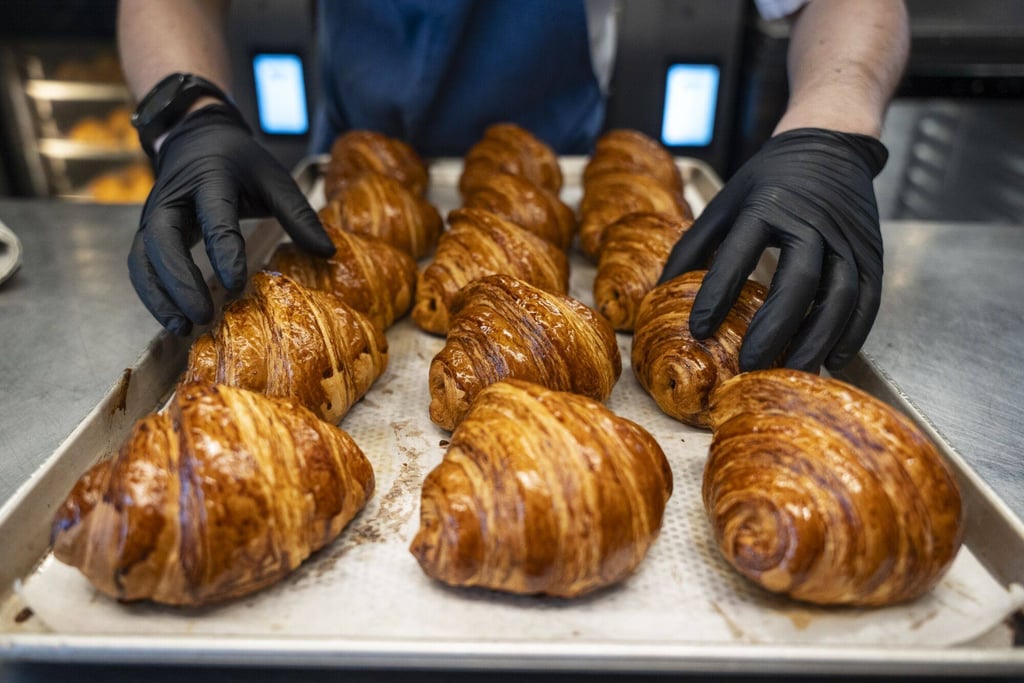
(168,102)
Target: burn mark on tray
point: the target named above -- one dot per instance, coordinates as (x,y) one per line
(24,615)
(121,402)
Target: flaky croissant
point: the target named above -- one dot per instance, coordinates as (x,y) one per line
(636,248)
(285,340)
(630,150)
(678,371)
(369,275)
(610,196)
(507,148)
(503,328)
(541,492)
(363,151)
(481,243)
(374,205)
(526,204)
(820,491)
(223,494)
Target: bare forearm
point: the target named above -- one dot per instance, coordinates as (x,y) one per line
(159,37)
(845,61)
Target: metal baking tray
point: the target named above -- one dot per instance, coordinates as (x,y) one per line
(993,534)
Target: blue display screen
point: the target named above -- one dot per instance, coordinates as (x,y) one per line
(280,94)
(691,96)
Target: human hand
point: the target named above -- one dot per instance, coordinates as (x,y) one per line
(809,192)
(209,173)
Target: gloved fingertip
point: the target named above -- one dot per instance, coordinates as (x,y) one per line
(837,361)
(178,326)
(700,327)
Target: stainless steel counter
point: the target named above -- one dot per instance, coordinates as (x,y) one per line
(950,333)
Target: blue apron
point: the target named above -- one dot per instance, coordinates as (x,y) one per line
(436,73)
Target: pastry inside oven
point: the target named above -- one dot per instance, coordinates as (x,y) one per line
(819,491)
(224,494)
(504,328)
(541,492)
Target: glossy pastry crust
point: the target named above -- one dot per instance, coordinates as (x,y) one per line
(357,152)
(678,371)
(374,205)
(507,148)
(224,494)
(820,491)
(503,328)
(480,243)
(541,492)
(288,341)
(636,248)
(369,275)
(610,196)
(630,150)
(526,204)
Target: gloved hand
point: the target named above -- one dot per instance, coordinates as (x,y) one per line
(209,173)
(809,192)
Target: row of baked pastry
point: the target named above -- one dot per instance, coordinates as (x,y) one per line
(246,473)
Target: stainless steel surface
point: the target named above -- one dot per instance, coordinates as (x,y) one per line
(950,333)
(70,323)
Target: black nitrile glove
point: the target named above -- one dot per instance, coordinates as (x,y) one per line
(809,192)
(209,173)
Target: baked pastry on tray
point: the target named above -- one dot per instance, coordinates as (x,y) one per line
(678,371)
(223,494)
(357,152)
(480,243)
(508,148)
(819,491)
(285,340)
(541,492)
(369,275)
(504,328)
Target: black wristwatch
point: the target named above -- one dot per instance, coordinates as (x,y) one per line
(167,103)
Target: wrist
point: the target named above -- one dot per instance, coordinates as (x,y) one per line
(199,104)
(857,122)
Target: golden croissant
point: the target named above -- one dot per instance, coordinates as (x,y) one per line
(820,491)
(636,248)
(610,196)
(481,243)
(285,340)
(369,275)
(632,151)
(541,491)
(503,328)
(223,494)
(374,205)
(363,151)
(678,371)
(526,204)
(507,148)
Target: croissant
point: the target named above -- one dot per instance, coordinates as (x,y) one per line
(363,151)
(224,494)
(632,151)
(480,243)
(507,148)
(526,204)
(369,275)
(285,340)
(636,249)
(610,196)
(541,492)
(374,205)
(503,328)
(818,490)
(678,371)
